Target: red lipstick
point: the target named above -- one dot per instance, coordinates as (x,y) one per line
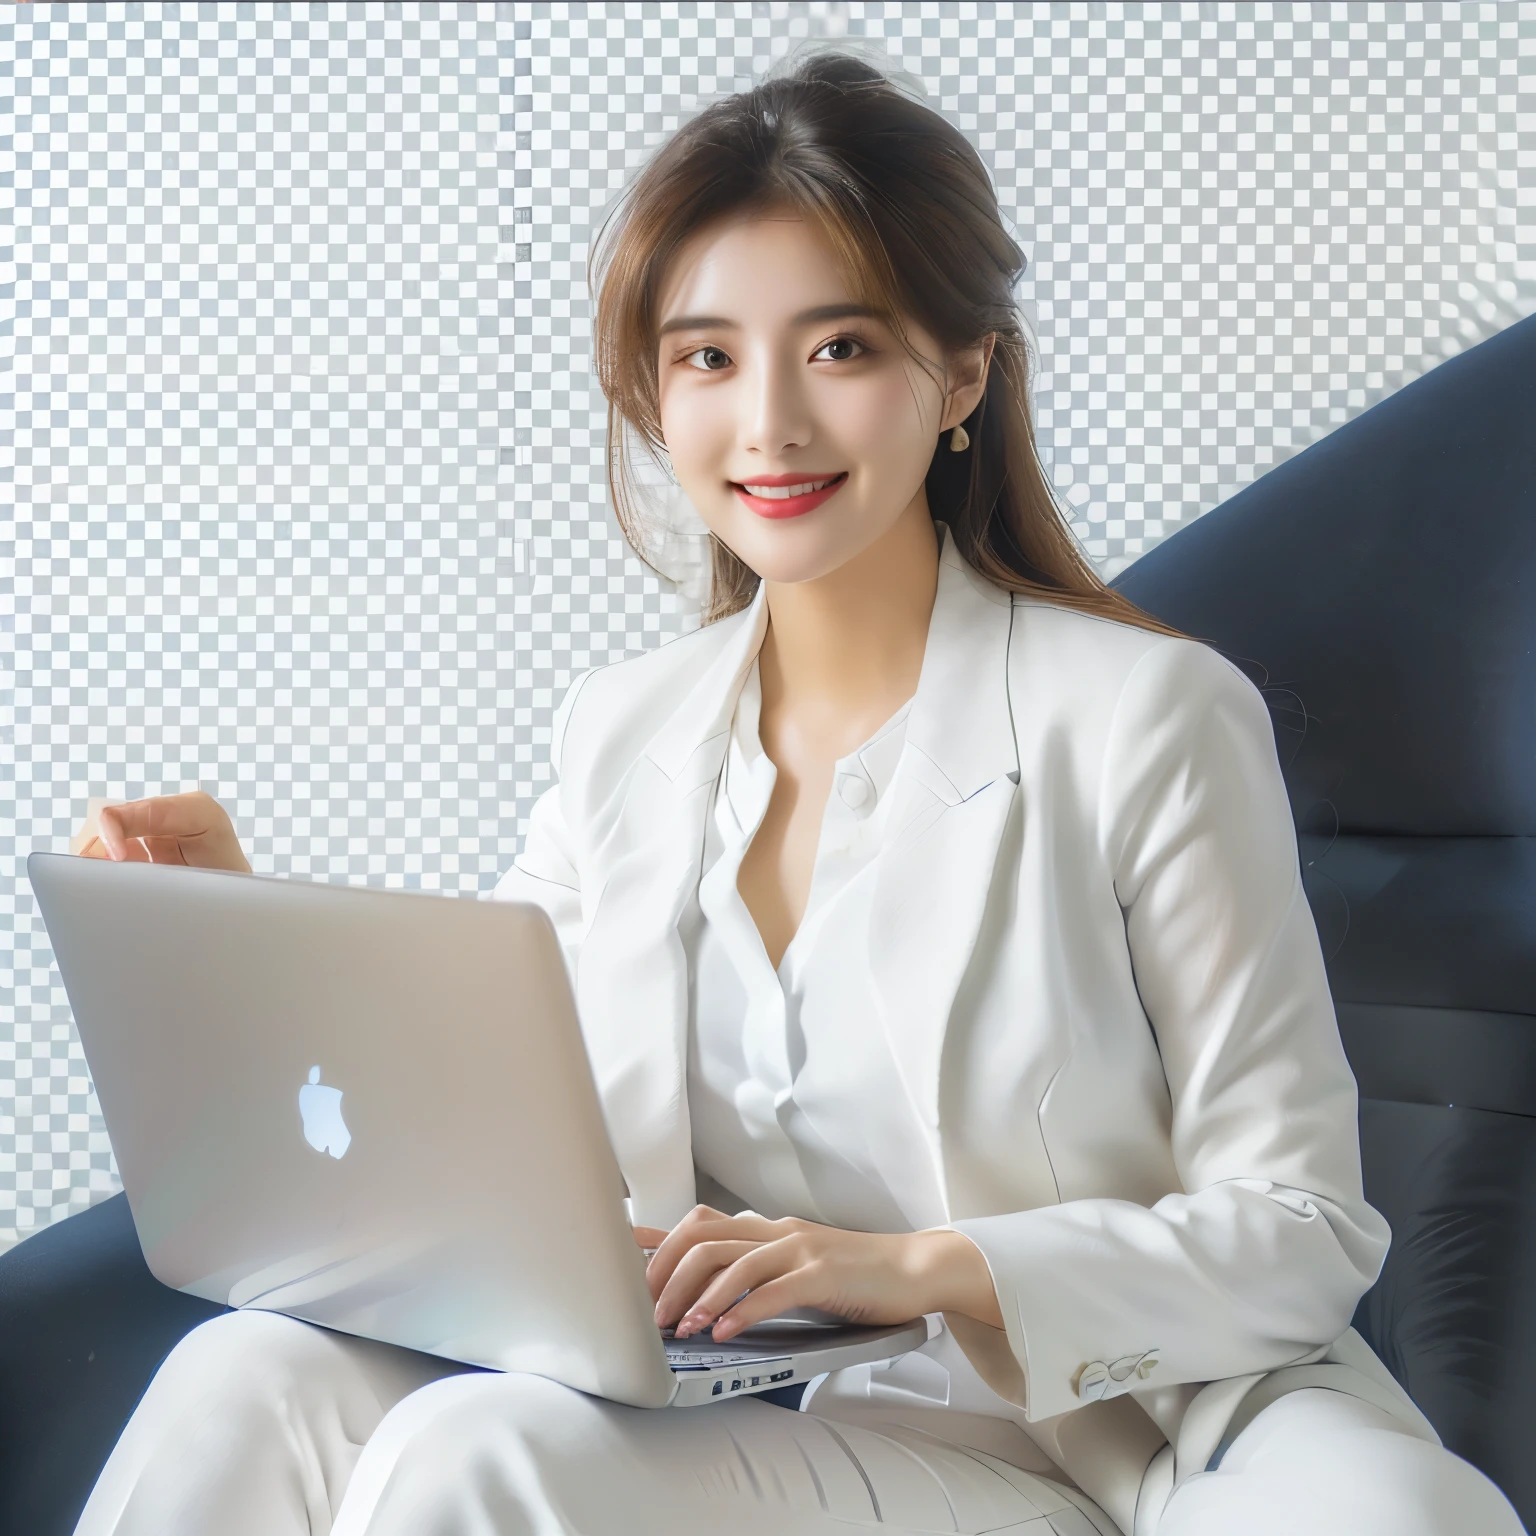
(788,506)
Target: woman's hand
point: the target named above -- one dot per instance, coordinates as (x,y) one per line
(705,1263)
(168,829)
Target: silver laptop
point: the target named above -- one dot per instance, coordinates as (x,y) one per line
(374,1111)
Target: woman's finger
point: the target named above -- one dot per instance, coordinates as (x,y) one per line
(158,816)
(176,829)
(164,850)
(767,1300)
(687,1282)
(763,1263)
(701,1225)
(669,1251)
(133,852)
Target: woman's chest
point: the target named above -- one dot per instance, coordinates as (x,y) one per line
(993,952)
(1041,1070)
(803,792)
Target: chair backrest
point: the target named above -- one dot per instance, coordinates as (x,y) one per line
(1380,589)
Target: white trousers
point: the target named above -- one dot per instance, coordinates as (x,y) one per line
(257,1425)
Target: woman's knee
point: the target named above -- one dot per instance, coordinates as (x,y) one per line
(457,1448)
(250,1367)
(244,1354)
(1328,1463)
(461,1418)
(226,1424)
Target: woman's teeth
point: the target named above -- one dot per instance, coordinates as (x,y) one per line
(784,492)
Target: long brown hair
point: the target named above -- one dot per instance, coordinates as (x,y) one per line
(907,206)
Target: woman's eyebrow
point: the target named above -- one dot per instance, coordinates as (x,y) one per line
(806,317)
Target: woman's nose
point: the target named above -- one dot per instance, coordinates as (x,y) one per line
(776,413)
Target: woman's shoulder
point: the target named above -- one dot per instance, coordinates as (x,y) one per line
(1101,673)
(1082,648)
(619,706)
(1117,645)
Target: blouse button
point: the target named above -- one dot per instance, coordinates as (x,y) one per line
(853,790)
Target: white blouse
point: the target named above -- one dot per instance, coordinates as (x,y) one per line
(796,1104)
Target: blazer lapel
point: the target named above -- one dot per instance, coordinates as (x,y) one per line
(955,790)
(632,970)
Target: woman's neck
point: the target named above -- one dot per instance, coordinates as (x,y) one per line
(848,647)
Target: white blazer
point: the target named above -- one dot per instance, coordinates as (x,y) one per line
(1103,987)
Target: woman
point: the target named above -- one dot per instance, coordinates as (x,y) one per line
(935,919)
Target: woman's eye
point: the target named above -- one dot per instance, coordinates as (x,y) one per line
(713,359)
(841,349)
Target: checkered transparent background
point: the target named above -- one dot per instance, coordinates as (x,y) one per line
(308,493)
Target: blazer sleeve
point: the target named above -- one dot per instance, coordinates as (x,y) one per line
(1259,1259)
(545,871)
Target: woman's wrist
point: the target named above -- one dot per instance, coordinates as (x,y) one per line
(950,1274)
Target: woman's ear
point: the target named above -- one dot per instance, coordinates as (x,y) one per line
(967,380)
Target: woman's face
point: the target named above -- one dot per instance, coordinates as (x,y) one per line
(773,380)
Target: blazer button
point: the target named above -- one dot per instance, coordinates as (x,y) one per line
(1141,1365)
(854,790)
(1092,1381)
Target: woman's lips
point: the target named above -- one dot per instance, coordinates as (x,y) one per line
(789,506)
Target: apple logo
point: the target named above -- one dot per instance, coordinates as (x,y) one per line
(320,1109)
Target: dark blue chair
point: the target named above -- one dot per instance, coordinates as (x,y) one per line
(1380,588)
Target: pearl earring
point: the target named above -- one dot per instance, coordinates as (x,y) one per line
(959,440)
